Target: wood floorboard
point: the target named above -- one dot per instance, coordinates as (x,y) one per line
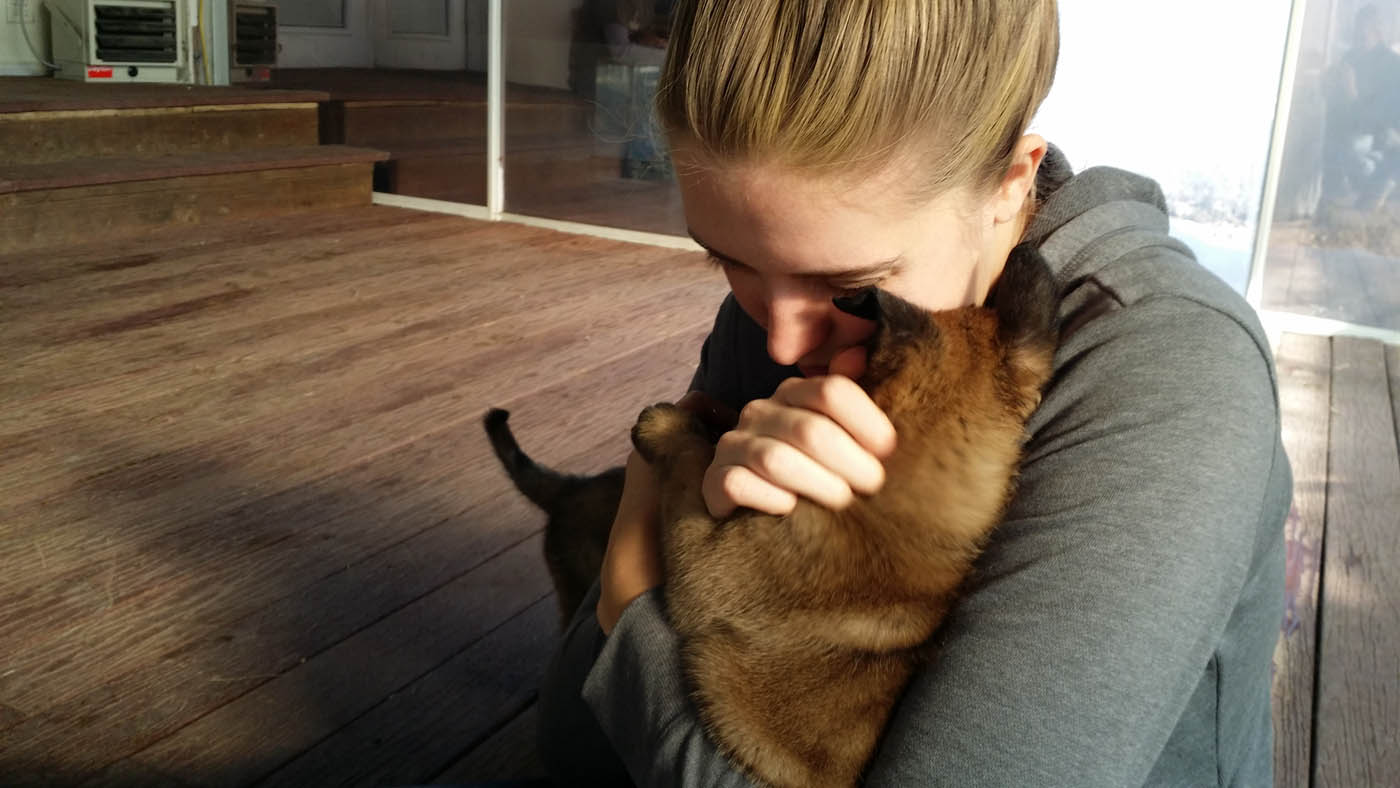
(509,754)
(241,537)
(173,375)
(1305,376)
(248,546)
(311,702)
(273,637)
(461,701)
(221,239)
(266,539)
(1358,698)
(320,426)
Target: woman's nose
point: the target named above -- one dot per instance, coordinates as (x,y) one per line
(797,325)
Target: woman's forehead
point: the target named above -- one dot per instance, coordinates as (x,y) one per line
(775,219)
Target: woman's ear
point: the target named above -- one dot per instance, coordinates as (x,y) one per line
(1011,196)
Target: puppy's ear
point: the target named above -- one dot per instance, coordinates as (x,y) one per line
(899,326)
(893,315)
(1025,300)
(864,304)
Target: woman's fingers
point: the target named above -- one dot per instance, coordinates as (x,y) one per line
(844,402)
(819,438)
(820,441)
(727,487)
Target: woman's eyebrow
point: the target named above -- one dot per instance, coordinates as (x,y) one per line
(877,268)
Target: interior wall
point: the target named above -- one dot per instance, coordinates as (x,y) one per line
(15,58)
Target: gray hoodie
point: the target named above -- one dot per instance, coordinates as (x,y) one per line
(1119,629)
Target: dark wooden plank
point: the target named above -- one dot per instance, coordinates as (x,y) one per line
(400,84)
(93,171)
(291,373)
(33,220)
(100,260)
(1304,373)
(290,714)
(239,607)
(40,137)
(126,326)
(43,94)
(461,176)
(510,754)
(182,534)
(415,733)
(649,206)
(202,648)
(305,269)
(189,570)
(1358,705)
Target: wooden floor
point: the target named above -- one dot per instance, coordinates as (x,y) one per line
(251,531)
(1337,665)
(1354,281)
(250,528)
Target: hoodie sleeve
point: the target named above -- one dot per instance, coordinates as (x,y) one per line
(1096,610)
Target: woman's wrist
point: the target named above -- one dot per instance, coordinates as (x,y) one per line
(632,564)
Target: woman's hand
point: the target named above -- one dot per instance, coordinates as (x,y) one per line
(821,438)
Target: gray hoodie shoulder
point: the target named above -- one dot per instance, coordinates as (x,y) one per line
(1106,236)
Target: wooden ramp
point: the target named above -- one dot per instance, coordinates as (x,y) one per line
(1337,666)
(250,526)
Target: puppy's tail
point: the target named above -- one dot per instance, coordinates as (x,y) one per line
(540,484)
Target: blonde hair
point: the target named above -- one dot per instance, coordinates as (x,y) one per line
(839,87)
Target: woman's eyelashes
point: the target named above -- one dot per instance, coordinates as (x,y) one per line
(838,288)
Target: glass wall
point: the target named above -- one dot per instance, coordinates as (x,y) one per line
(1181,92)
(1334,249)
(407,78)
(580,77)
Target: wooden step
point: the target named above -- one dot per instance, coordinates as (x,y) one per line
(386,123)
(84,199)
(456,170)
(47,120)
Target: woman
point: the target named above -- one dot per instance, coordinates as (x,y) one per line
(1120,626)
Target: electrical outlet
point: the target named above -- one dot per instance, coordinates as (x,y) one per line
(13,8)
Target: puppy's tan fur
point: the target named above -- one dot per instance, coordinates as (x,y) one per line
(800,632)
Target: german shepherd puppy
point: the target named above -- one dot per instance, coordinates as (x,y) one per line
(800,632)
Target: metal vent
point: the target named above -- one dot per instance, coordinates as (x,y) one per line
(255,29)
(133,34)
